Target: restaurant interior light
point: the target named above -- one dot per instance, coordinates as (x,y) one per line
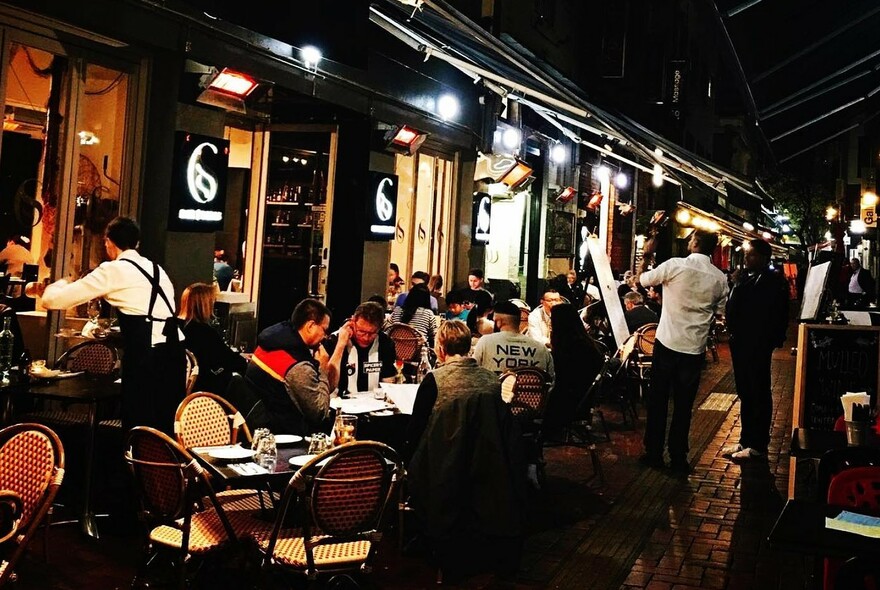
(511,138)
(233,83)
(447,107)
(869,199)
(621,180)
(311,56)
(406,139)
(748,226)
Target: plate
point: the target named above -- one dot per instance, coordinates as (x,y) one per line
(287,439)
(231,453)
(382,413)
(300,460)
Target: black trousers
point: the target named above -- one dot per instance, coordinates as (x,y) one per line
(678,374)
(751,371)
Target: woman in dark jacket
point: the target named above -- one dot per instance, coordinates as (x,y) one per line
(576,359)
(216,360)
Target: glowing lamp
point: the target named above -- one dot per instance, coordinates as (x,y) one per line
(233,83)
(405,139)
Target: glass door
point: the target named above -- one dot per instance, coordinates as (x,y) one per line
(295,219)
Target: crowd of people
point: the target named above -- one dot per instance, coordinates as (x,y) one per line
(298,364)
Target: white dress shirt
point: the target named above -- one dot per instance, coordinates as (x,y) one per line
(539,325)
(694,290)
(122,286)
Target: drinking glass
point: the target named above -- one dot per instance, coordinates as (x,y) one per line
(319,443)
(345,429)
(267,452)
(94,310)
(259,434)
(379,394)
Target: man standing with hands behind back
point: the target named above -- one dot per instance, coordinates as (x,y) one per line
(694,290)
(757,319)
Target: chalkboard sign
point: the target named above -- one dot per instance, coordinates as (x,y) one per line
(833,360)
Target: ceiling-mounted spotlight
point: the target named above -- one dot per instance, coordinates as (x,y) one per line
(233,83)
(311,56)
(566,194)
(511,138)
(557,153)
(621,180)
(447,107)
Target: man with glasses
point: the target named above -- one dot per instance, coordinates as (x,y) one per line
(539,319)
(370,359)
(293,374)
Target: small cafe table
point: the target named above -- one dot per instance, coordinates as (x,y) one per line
(800,528)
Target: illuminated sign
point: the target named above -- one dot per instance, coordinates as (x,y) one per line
(482,217)
(198,188)
(382,206)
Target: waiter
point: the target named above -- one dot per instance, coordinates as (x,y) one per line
(153,373)
(370,359)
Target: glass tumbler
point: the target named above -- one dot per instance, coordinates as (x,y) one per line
(345,429)
(267,453)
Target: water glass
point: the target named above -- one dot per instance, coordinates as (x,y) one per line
(267,452)
(345,429)
(319,443)
(259,434)
(379,394)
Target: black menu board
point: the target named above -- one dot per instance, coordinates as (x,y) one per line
(833,360)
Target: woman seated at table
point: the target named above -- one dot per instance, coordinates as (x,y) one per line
(416,312)
(216,360)
(576,359)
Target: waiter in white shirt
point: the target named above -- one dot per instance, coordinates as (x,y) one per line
(153,372)
(694,290)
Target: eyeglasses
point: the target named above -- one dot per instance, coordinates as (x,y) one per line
(363,332)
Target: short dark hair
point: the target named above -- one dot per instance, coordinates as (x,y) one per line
(761,247)
(371,312)
(634,297)
(706,241)
(379,300)
(420,274)
(454,297)
(509,312)
(306,310)
(477,272)
(124,233)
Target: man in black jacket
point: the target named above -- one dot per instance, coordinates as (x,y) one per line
(860,288)
(757,319)
(637,314)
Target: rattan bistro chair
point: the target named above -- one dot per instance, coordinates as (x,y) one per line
(31,471)
(94,358)
(205,419)
(170,484)
(192,371)
(527,391)
(343,494)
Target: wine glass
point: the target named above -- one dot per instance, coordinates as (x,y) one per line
(94,310)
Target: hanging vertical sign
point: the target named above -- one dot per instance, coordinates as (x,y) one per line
(382,206)
(198,187)
(676,87)
(482,218)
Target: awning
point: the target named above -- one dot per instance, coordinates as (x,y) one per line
(437,30)
(732,229)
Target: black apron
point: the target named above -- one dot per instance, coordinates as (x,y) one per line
(153,377)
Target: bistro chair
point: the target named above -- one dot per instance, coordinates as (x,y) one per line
(526,391)
(408,344)
(170,485)
(636,358)
(192,371)
(343,494)
(31,471)
(93,358)
(205,419)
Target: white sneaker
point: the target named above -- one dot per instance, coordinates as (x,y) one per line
(729,451)
(746,454)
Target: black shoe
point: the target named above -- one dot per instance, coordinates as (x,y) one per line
(652,461)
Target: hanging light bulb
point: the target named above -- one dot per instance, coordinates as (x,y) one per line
(621,181)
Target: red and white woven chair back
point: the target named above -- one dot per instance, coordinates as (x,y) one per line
(204,419)
(348,493)
(158,472)
(95,358)
(192,371)
(408,342)
(31,460)
(526,390)
(645,338)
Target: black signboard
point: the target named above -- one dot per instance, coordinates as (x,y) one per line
(482,218)
(198,185)
(382,206)
(836,360)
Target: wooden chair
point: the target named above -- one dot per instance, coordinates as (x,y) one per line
(31,471)
(192,371)
(169,484)
(344,493)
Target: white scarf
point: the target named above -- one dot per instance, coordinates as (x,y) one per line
(372,367)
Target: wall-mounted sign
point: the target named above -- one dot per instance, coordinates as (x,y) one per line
(198,186)
(382,206)
(482,218)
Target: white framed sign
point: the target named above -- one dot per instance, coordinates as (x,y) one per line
(608,287)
